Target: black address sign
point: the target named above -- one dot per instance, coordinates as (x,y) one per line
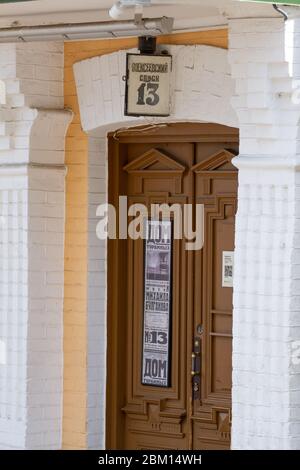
(148,85)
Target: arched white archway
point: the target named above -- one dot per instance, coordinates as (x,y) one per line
(201,88)
(201,91)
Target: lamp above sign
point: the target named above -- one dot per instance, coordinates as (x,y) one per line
(148,81)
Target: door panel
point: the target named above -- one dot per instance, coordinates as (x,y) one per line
(155,177)
(216,188)
(180,164)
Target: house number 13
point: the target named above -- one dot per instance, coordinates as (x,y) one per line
(153,97)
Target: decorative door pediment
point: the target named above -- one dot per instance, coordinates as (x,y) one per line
(155,164)
(218,162)
(216,167)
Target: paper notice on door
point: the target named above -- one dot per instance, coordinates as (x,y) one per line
(227,268)
(157,304)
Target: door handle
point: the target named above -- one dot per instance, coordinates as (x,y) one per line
(195,365)
(196,369)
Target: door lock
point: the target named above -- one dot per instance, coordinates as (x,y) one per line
(196,369)
(196,358)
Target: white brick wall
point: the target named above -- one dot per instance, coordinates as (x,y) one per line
(266,383)
(32,208)
(13,311)
(33,73)
(45,296)
(201,88)
(31,289)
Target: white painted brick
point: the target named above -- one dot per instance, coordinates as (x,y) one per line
(5,143)
(28,279)
(263,292)
(267,315)
(26,71)
(49,73)
(16,100)
(104,75)
(12,86)
(258,25)
(257,55)
(7,71)
(56,89)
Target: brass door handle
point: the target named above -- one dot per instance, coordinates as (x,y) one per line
(195,365)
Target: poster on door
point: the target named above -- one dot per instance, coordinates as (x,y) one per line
(157,304)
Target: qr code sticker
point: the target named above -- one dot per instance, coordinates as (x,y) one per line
(228,271)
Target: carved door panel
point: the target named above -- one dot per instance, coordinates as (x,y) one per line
(178,164)
(156,417)
(216,188)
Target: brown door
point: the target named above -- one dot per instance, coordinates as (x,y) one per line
(191,408)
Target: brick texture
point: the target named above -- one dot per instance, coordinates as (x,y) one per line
(201,86)
(32,207)
(266,382)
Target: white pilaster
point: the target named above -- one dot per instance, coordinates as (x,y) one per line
(13,310)
(32,205)
(266,379)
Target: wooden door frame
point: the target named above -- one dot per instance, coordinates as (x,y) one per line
(116,249)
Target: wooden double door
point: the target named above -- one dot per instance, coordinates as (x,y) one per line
(173,164)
